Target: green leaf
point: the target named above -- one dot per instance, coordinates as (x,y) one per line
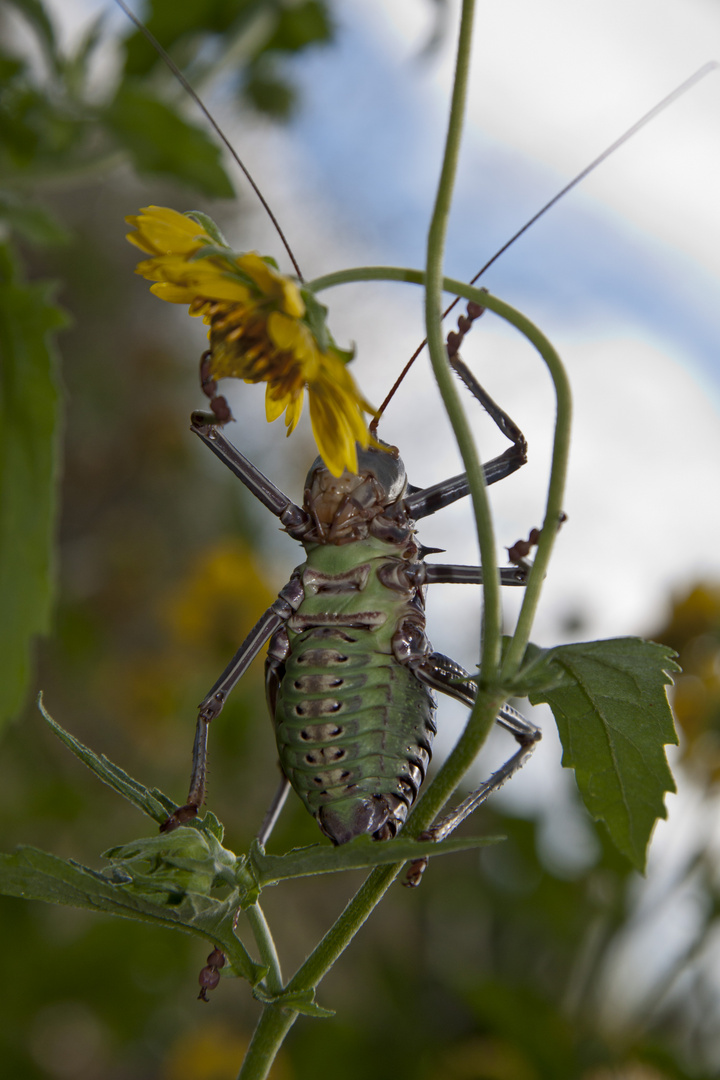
(359,854)
(299,25)
(183,861)
(29,420)
(270,94)
(36,15)
(610,705)
(151,801)
(209,226)
(32,221)
(76,68)
(315,317)
(170,21)
(36,875)
(160,141)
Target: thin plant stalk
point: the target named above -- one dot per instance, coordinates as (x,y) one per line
(438,354)
(266,947)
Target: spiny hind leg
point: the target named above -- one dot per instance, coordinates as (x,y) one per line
(448,677)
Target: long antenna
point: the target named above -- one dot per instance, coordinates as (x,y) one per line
(683,88)
(216,127)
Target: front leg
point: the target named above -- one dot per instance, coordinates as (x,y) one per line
(294,519)
(428,501)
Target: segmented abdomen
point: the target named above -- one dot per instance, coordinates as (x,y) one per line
(354,731)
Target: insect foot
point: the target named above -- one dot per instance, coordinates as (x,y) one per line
(179,817)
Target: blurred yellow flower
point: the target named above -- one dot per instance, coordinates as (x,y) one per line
(264,327)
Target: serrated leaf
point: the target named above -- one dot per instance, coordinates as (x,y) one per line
(360,854)
(33,874)
(611,708)
(161,141)
(29,420)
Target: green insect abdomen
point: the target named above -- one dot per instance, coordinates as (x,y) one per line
(354,725)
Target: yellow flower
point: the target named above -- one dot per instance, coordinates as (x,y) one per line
(263,327)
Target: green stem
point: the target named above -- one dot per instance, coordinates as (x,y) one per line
(267,1039)
(266,947)
(467,748)
(561,443)
(275,1022)
(438,355)
(339,936)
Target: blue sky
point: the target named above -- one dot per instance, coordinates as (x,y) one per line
(371,126)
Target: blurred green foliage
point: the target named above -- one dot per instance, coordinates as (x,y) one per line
(61,125)
(503,965)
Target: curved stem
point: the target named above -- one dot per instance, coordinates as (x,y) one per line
(561,443)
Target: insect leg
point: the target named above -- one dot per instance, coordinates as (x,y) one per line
(444,674)
(277,614)
(273,812)
(291,516)
(441,574)
(428,501)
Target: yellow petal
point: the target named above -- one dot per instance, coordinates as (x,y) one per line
(162,231)
(174,294)
(335,442)
(294,337)
(294,410)
(272,284)
(274,406)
